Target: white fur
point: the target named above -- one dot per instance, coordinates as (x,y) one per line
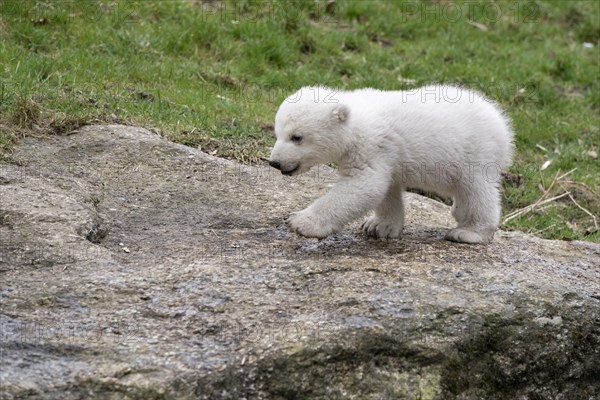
(443,139)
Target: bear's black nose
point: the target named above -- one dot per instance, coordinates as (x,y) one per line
(275,164)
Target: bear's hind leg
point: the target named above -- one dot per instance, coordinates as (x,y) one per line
(388,220)
(477,212)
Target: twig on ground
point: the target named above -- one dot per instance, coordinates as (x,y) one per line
(560,179)
(566,174)
(528,209)
(584,210)
(584,185)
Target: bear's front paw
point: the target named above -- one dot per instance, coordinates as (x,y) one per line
(307,224)
(382,228)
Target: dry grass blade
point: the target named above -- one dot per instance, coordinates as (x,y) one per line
(584,210)
(477,25)
(528,209)
(542,230)
(589,189)
(560,179)
(563,176)
(542,200)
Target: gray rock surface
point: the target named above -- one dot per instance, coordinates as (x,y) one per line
(132,267)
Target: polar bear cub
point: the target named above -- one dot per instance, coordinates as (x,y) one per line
(448,140)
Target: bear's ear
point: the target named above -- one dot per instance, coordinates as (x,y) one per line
(341,112)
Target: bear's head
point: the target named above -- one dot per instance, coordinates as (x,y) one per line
(311,127)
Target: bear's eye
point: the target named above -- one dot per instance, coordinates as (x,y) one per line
(296,138)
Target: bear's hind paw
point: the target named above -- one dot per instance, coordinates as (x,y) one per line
(381,228)
(462,235)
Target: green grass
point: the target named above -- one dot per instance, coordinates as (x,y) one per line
(212,74)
